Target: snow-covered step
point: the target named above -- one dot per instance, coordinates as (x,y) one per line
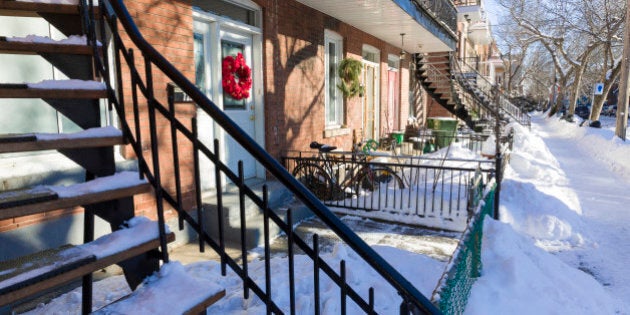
(89,138)
(74,45)
(30,275)
(22,8)
(58,89)
(55,89)
(171,291)
(45,198)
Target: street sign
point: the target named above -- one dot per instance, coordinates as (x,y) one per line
(599,89)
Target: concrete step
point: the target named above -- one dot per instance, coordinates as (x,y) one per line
(279,200)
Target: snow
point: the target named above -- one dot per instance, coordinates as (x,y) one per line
(138,230)
(163,287)
(42,266)
(73,84)
(71,40)
(561,246)
(104,132)
(73,2)
(520,278)
(119,180)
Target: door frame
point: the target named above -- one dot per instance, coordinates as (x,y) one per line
(377,89)
(216,24)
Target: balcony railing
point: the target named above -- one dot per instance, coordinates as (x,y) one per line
(443,10)
(467,2)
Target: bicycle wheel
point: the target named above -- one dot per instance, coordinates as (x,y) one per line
(315,179)
(380,177)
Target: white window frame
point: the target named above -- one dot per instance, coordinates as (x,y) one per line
(338,121)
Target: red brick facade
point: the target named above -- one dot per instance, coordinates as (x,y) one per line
(294,76)
(293,59)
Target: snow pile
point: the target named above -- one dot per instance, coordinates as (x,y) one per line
(358,275)
(602,143)
(536,198)
(422,271)
(520,278)
(162,293)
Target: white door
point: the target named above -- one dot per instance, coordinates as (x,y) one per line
(241,111)
(212,44)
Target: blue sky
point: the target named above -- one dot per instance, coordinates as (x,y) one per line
(492,10)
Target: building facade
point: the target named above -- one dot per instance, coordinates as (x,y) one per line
(293,49)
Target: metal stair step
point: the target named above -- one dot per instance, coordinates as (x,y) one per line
(54,89)
(438,54)
(30,47)
(31,269)
(119,185)
(90,138)
(19,8)
(35,273)
(157,294)
(16,198)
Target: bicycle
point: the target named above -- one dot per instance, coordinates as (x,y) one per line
(333,178)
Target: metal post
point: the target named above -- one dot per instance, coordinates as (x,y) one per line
(497,191)
(498,163)
(622,101)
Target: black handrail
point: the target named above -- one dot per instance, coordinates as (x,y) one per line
(496,96)
(413,300)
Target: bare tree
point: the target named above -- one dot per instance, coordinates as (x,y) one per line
(572,32)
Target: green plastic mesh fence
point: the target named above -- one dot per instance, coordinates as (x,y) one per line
(453,290)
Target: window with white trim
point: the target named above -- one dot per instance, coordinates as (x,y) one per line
(333,45)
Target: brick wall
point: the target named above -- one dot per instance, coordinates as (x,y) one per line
(167,25)
(294,76)
(293,58)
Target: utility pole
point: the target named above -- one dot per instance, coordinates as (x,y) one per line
(622,102)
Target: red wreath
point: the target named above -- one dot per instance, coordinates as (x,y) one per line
(237,77)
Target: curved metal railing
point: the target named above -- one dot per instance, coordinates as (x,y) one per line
(488,93)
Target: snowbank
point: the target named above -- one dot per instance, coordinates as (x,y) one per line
(520,278)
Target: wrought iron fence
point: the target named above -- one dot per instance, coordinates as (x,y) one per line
(401,188)
(453,289)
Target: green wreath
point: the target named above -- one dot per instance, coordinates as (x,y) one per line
(349,72)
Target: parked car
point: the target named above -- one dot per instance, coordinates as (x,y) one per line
(583,111)
(609,110)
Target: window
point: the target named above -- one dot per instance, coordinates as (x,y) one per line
(237,10)
(334,98)
(393,62)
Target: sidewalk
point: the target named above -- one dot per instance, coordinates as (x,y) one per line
(604,198)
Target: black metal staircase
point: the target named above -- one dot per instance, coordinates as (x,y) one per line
(104,192)
(434,73)
(464,92)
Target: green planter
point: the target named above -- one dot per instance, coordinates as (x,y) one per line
(398,136)
(443,129)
